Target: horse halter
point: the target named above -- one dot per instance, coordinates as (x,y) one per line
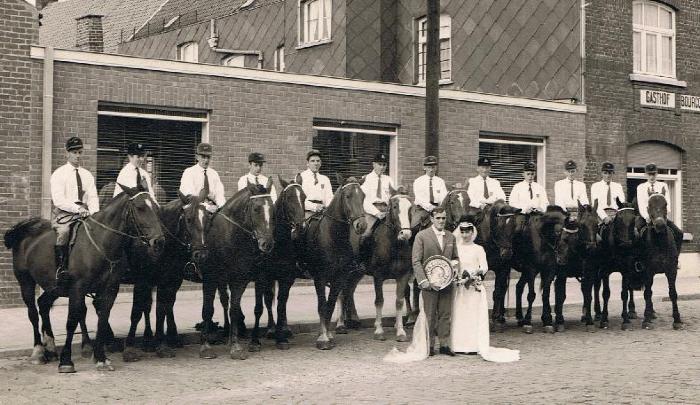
(393,226)
(350,219)
(285,209)
(252,234)
(448,201)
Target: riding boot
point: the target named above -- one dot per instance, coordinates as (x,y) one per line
(62,275)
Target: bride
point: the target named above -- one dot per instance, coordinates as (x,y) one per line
(469,331)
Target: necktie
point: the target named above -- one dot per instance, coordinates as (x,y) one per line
(315,179)
(79,181)
(206,184)
(572,189)
(256,180)
(379,187)
(609,198)
(652,188)
(139,181)
(530,189)
(430,189)
(486,189)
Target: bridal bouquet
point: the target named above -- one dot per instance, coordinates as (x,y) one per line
(469,279)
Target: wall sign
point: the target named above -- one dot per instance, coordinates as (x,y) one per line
(654,98)
(690,103)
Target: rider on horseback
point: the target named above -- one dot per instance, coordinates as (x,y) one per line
(607,192)
(74,196)
(647,189)
(429,190)
(133,175)
(482,189)
(568,192)
(528,195)
(316,186)
(201,176)
(255,176)
(378,189)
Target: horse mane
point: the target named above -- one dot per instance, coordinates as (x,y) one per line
(24,229)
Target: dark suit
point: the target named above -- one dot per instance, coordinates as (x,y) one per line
(437,305)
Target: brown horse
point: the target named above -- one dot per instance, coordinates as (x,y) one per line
(241,232)
(92,265)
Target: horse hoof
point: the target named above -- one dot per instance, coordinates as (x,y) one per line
(165,352)
(282,345)
(323,345)
(379,336)
(632,315)
(625,326)
(86,351)
(597,317)
(549,329)
(116,346)
(50,356)
(402,338)
(583,319)
(270,334)
(521,322)
(341,330)
(104,366)
(130,355)
(287,333)
(148,347)
(238,354)
(254,347)
(604,325)
(560,327)
(647,325)
(678,326)
(66,368)
(38,360)
(590,328)
(206,352)
(527,329)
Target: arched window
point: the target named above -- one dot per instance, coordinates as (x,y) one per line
(234,61)
(654,38)
(188,52)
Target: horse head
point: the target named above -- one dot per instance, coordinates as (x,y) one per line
(503,229)
(624,231)
(347,204)
(259,216)
(290,206)
(400,213)
(588,223)
(658,210)
(554,231)
(143,218)
(456,203)
(197,221)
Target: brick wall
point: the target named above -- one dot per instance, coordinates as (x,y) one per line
(615,119)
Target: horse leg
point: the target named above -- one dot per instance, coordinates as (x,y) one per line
(605,280)
(260,288)
(378,306)
(559,298)
(649,309)
(46,301)
(162,303)
(415,308)
(335,290)
(322,342)
(673,295)
(587,292)
(519,287)
(349,318)
(103,329)
(401,288)
(531,295)
(632,309)
(282,332)
(224,300)
(268,298)
(235,350)
(28,290)
(499,299)
(546,307)
(76,312)
(148,344)
(137,308)
(111,342)
(208,294)
(624,295)
(596,298)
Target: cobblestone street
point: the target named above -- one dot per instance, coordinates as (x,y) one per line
(637,366)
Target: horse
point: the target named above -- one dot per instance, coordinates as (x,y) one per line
(98,244)
(240,233)
(280,265)
(496,230)
(578,251)
(328,251)
(659,255)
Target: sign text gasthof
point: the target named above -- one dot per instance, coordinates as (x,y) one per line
(654,98)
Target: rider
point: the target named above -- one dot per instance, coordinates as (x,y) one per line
(429,191)
(377,188)
(647,189)
(254,176)
(201,176)
(482,189)
(316,186)
(606,192)
(528,195)
(568,192)
(133,174)
(74,196)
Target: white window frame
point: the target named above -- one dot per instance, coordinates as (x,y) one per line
(279,59)
(673,181)
(659,33)
(421,48)
(188,52)
(310,31)
(234,61)
(541,145)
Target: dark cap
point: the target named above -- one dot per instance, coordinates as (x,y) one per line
(74,143)
(380,158)
(313,152)
(530,167)
(430,161)
(484,161)
(136,149)
(650,169)
(570,165)
(607,167)
(256,157)
(204,149)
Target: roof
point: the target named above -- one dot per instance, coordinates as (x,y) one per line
(59,26)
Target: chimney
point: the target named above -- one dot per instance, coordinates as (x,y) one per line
(40,4)
(89,33)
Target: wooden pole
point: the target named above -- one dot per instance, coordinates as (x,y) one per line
(432,80)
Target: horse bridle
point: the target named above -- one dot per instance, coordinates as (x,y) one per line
(252,234)
(393,226)
(294,225)
(619,218)
(448,201)
(351,219)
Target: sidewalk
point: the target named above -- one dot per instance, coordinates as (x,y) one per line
(16,334)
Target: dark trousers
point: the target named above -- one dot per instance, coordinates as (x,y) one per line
(438,311)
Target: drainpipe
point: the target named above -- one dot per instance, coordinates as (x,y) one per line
(47,128)
(583,50)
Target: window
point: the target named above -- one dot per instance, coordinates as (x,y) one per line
(445,48)
(509,153)
(279,59)
(654,39)
(188,52)
(314,21)
(234,61)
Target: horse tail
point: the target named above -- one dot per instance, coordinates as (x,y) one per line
(24,229)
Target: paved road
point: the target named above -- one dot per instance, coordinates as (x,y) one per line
(637,366)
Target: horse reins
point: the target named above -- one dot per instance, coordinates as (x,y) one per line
(347,221)
(252,234)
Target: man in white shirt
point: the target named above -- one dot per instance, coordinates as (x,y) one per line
(74,196)
(606,192)
(316,186)
(429,191)
(568,192)
(528,195)
(201,176)
(255,176)
(133,174)
(647,189)
(482,189)
(377,188)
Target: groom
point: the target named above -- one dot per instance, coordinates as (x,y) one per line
(437,304)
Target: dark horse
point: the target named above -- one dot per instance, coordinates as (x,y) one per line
(329,253)
(579,256)
(281,265)
(659,255)
(240,233)
(92,265)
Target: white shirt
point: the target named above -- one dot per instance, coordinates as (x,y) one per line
(64,189)
(369,187)
(440,235)
(644,190)
(562,193)
(192,183)
(599,192)
(421,190)
(472,258)
(320,191)
(127,178)
(520,197)
(262,180)
(475,190)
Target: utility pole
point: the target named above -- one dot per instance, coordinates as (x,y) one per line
(432,80)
